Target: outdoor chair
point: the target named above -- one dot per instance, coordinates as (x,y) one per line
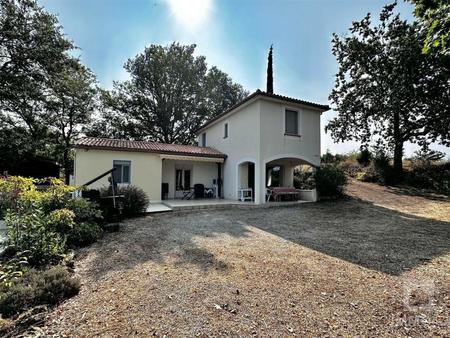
(199,190)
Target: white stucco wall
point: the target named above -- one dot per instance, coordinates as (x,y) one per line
(242,144)
(256,133)
(145,169)
(276,145)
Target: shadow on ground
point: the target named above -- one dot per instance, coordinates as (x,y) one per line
(355,231)
(362,233)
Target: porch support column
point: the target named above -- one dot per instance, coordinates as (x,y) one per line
(219,180)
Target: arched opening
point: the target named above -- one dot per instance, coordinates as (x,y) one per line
(246,181)
(280,179)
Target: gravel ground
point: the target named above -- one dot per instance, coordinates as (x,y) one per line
(348,268)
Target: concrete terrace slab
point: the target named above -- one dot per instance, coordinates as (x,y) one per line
(157,207)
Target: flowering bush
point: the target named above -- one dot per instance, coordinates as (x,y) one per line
(39,220)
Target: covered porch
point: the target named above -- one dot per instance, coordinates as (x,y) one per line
(187,178)
(279,180)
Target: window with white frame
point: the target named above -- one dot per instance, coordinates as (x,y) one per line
(291,122)
(123,171)
(225,130)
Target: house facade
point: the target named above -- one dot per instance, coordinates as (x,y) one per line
(254,145)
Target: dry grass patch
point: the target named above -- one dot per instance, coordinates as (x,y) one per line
(339,268)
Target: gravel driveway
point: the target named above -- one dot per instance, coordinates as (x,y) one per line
(352,267)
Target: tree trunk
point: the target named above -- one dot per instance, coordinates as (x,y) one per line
(398,159)
(398,147)
(66,166)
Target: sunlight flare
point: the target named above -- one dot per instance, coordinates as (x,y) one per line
(192,13)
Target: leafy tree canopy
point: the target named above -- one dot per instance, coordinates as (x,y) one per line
(45,94)
(170,94)
(435,14)
(70,106)
(386,89)
(33,50)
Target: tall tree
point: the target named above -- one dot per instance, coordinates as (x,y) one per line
(33,50)
(387,89)
(221,92)
(170,94)
(435,14)
(71,104)
(269,86)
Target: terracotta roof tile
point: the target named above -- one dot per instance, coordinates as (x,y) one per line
(144,146)
(258,92)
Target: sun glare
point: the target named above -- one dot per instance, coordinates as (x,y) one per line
(190,13)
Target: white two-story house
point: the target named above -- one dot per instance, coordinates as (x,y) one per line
(252,146)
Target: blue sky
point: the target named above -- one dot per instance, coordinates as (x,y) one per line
(233,34)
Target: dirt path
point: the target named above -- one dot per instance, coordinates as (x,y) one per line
(346,268)
(402,199)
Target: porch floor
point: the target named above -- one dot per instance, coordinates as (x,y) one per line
(212,203)
(157,207)
(202,203)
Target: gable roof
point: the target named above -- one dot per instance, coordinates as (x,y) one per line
(259,93)
(148,147)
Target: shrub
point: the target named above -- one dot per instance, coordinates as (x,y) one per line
(13,269)
(47,287)
(435,177)
(364,157)
(30,232)
(370,174)
(304,178)
(84,210)
(84,233)
(330,181)
(135,200)
(61,220)
(349,167)
(10,190)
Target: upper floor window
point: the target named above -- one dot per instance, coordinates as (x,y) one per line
(291,122)
(122,172)
(225,130)
(203,140)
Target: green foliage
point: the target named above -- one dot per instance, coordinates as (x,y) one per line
(83,234)
(40,221)
(349,167)
(46,95)
(61,220)
(370,174)
(11,189)
(34,50)
(269,85)
(364,157)
(387,89)
(330,182)
(84,210)
(304,178)
(427,156)
(47,287)
(435,15)
(170,94)
(135,200)
(430,176)
(31,232)
(71,104)
(13,269)
(328,157)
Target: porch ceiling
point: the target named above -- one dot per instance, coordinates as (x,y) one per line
(289,160)
(192,158)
